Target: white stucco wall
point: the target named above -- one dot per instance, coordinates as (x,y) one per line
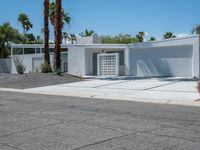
(163,61)
(175,51)
(28,61)
(76,58)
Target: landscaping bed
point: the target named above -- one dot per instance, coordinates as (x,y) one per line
(32,80)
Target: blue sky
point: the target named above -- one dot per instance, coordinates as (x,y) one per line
(111,17)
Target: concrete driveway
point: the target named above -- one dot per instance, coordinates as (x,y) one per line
(157,90)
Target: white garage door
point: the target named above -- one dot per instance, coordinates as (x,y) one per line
(171,61)
(108,64)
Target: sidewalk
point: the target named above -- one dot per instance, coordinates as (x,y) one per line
(156,90)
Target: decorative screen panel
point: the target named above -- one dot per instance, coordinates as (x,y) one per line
(108,64)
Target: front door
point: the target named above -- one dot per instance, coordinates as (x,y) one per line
(95,64)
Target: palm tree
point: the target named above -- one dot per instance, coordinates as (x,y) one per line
(196,29)
(87,33)
(140,36)
(46,32)
(25,22)
(65,36)
(169,35)
(66,19)
(58,34)
(72,38)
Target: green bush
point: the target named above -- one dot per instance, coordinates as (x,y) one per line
(198,87)
(58,71)
(45,68)
(19,65)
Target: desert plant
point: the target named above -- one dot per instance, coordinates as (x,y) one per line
(19,65)
(58,71)
(45,68)
(198,86)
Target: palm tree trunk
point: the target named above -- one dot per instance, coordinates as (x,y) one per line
(58,32)
(46,32)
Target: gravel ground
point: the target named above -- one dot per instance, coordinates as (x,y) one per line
(34,80)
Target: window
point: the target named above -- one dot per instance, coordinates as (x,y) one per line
(51,50)
(29,50)
(64,49)
(37,50)
(17,51)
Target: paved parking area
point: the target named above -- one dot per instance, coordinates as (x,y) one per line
(156,90)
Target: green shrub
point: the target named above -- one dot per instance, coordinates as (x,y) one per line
(20,68)
(45,68)
(58,71)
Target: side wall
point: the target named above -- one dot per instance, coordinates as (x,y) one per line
(163,61)
(76,60)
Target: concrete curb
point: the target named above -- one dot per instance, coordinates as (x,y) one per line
(86,95)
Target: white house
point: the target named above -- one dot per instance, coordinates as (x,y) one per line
(178,57)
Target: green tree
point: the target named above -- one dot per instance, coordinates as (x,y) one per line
(169,35)
(140,36)
(25,22)
(66,19)
(152,39)
(58,35)
(196,29)
(72,38)
(8,35)
(87,33)
(65,36)
(119,39)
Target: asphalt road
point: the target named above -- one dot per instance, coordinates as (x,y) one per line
(41,122)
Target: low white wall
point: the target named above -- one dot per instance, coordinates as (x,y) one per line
(28,61)
(76,60)
(163,61)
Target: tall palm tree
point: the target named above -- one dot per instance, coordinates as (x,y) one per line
(169,35)
(25,22)
(58,34)
(196,29)
(140,36)
(46,32)
(72,38)
(65,36)
(87,33)
(66,19)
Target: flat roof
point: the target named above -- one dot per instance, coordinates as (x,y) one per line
(164,42)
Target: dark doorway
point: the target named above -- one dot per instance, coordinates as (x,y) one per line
(95,63)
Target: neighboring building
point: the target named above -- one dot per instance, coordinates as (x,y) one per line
(177,57)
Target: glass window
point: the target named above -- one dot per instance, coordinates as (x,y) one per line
(37,50)
(64,57)
(51,50)
(17,51)
(29,50)
(64,49)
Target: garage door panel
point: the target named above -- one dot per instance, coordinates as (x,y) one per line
(158,62)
